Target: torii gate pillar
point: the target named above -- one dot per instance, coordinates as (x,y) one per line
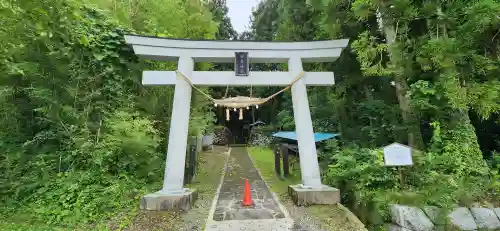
(303,128)
(178,134)
(173,195)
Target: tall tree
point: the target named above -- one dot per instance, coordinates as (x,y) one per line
(413,63)
(219,10)
(76,120)
(264,20)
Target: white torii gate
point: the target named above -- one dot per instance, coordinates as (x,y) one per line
(189,51)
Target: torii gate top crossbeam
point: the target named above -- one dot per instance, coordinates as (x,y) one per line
(220,51)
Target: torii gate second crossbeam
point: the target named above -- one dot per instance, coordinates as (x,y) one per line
(187,52)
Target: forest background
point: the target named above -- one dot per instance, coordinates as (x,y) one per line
(79,132)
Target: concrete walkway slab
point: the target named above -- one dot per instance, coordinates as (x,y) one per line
(250,225)
(227,211)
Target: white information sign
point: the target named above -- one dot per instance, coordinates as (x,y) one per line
(397,155)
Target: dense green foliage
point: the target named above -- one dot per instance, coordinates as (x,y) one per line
(81,139)
(423,73)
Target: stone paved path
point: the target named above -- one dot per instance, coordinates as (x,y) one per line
(228,213)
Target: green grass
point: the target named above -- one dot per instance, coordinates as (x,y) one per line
(209,171)
(264,160)
(13,226)
(330,217)
(11,219)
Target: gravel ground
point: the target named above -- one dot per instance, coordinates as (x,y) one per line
(303,221)
(323,217)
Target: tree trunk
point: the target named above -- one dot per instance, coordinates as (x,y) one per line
(369,97)
(411,122)
(409,119)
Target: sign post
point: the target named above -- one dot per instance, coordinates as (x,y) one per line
(398,155)
(241,64)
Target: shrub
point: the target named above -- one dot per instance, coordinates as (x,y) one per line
(368,187)
(96,183)
(259,139)
(83,196)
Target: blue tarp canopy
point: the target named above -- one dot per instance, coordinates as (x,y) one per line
(318,136)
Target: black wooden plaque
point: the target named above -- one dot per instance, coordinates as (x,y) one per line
(241,64)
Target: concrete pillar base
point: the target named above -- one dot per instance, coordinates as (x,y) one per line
(169,201)
(303,196)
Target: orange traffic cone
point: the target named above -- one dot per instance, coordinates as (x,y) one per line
(247,198)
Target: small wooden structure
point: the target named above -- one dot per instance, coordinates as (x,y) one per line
(288,145)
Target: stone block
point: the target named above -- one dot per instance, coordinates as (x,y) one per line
(248,214)
(462,218)
(436,215)
(317,196)
(497,211)
(169,201)
(412,218)
(485,218)
(398,228)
